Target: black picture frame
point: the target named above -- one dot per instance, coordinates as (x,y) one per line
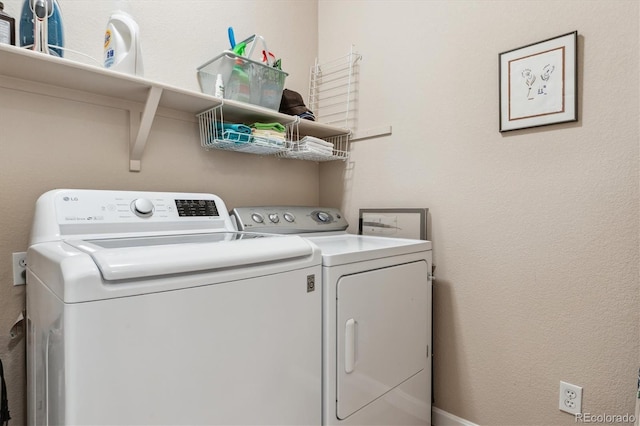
(538,83)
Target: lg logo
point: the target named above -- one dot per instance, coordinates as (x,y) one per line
(70,198)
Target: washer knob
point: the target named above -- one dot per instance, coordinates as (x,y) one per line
(289,217)
(142,207)
(273,217)
(257,217)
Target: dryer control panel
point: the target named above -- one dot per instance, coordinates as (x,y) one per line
(289,219)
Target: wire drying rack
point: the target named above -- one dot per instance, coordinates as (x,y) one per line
(333,90)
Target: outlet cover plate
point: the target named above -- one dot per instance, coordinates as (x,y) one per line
(19,261)
(570,400)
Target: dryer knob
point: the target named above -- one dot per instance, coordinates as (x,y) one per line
(142,207)
(257,218)
(324,217)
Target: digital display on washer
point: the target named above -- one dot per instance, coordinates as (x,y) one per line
(189,208)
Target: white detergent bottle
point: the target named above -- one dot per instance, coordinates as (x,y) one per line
(122,45)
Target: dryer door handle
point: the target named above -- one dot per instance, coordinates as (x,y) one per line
(349,345)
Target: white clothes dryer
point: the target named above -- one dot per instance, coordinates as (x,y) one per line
(149,308)
(376,316)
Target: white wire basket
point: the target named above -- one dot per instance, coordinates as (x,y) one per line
(216,134)
(315,149)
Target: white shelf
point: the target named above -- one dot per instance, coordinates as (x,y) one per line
(71,79)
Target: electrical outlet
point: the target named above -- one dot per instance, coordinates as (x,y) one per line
(570,398)
(19,268)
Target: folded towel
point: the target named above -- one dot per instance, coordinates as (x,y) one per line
(269,126)
(238,128)
(236,137)
(268,141)
(319,151)
(315,146)
(268,134)
(231,131)
(319,147)
(313,149)
(316,141)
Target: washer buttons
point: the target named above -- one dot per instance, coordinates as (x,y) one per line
(289,217)
(273,217)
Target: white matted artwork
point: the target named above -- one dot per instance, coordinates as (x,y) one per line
(538,84)
(397,223)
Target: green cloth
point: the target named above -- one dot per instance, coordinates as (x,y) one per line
(277,127)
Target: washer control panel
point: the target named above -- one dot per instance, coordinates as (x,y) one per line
(289,219)
(82,212)
(74,206)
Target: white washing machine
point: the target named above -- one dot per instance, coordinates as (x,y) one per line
(376,316)
(149,308)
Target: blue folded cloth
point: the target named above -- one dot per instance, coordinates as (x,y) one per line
(238,128)
(221,128)
(238,133)
(230,135)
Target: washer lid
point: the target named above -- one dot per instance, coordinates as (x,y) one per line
(348,248)
(137,257)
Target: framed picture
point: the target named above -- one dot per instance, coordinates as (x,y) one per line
(398,223)
(538,84)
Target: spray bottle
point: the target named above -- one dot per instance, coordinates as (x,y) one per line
(238,86)
(122,44)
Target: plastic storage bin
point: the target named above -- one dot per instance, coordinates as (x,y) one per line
(244,80)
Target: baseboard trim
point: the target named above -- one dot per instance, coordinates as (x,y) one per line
(442,418)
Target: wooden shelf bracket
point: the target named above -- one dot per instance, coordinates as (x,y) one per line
(140,126)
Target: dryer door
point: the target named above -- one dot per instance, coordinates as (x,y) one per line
(382,332)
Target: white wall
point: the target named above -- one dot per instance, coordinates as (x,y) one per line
(51,142)
(535,232)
